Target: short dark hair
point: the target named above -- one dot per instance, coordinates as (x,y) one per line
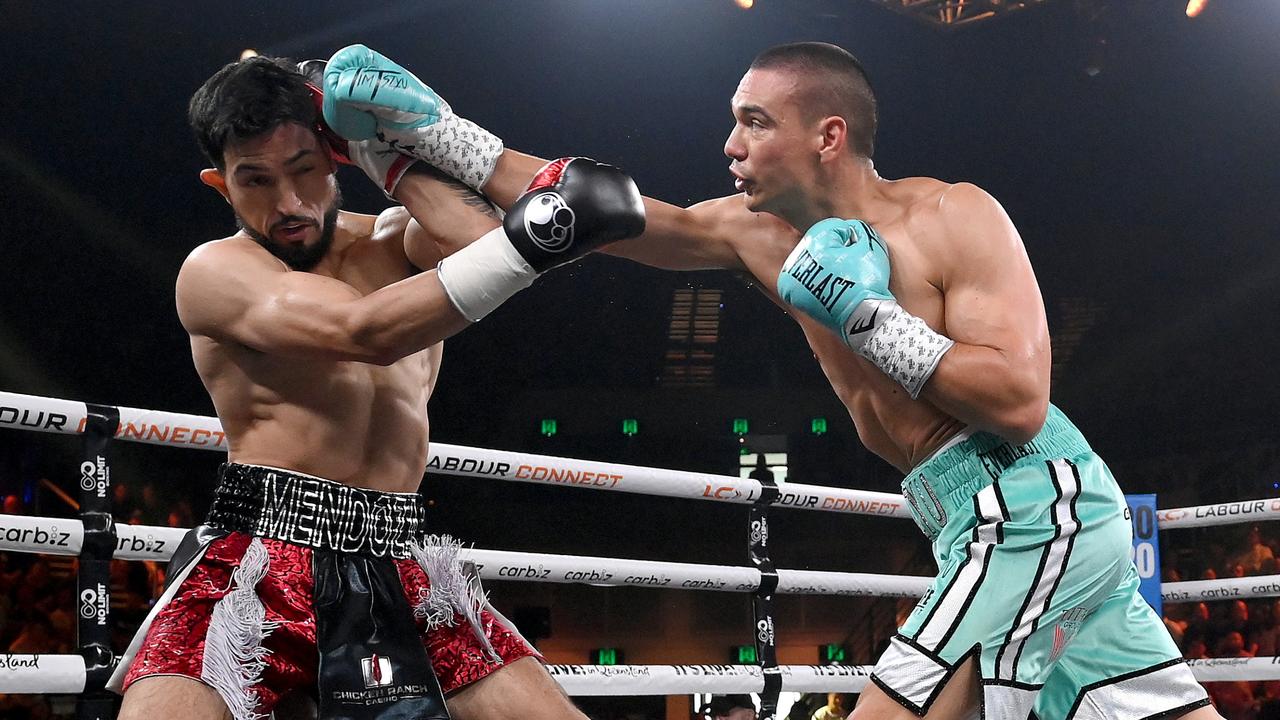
(836,84)
(246,99)
(724,704)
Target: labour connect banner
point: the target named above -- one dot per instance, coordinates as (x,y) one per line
(1146,547)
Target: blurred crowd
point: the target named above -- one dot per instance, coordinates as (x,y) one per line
(38,607)
(38,595)
(1229,628)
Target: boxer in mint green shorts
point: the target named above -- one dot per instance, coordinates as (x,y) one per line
(1035,582)
(1036,585)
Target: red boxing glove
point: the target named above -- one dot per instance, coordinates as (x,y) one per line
(313,71)
(334,143)
(549,174)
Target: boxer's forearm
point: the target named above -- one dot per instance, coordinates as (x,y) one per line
(401,319)
(991,390)
(511,177)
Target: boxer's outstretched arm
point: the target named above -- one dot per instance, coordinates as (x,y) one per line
(233,290)
(996,377)
(700,237)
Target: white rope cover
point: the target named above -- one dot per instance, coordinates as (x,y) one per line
(1231,513)
(39,414)
(584,680)
(1221,589)
(36,674)
(1221,669)
(64,536)
(64,674)
(59,536)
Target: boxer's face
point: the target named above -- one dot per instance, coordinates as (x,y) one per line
(771,145)
(281,186)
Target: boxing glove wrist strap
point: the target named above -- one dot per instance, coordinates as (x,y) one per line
(481,276)
(381,163)
(455,146)
(906,349)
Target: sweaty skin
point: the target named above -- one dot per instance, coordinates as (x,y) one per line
(326,371)
(957,262)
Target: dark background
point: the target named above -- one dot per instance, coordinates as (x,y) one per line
(1145,193)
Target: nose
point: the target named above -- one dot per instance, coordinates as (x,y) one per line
(734,148)
(288,199)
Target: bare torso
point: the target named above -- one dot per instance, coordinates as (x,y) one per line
(889,423)
(353,422)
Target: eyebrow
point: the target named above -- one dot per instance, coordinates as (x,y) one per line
(254,167)
(756,109)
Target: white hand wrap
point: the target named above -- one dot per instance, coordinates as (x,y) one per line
(906,349)
(383,164)
(454,145)
(481,276)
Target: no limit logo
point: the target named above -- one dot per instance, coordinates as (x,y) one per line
(93,475)
(764,631)
(94,604)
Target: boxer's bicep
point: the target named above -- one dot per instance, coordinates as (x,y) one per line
(996,376)
(230,295)
(695,238)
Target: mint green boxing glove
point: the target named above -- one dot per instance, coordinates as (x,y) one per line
(367,96)
(839,275)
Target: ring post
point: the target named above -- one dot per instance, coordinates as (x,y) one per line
(94,577)
(762,600)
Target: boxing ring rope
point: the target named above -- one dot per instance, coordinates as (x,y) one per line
(63,536)
(68,673)
(39,414)
(65,674)
(58,536)
(68,417)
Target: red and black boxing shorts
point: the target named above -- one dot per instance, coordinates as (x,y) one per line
(295,583)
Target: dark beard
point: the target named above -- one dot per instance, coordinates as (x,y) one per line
(300,257)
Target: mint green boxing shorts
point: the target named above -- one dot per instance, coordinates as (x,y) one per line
(1035,581)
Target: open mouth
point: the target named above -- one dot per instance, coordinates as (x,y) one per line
(292,232)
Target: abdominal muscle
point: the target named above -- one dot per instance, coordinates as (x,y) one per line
(901,431)
(354,423)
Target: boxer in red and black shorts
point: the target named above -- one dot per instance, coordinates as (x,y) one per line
(284,586)
(318,334)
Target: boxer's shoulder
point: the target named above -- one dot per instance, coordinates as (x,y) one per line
(228,254)
(940,215)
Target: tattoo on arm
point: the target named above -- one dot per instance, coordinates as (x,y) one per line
(476,200)
(469,197)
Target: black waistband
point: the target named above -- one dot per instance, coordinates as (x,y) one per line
(309,511)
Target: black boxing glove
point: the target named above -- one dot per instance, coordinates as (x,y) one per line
(573,206)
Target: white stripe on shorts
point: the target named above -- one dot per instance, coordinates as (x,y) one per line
(1052,566)
(1006,702)
(1152,692)
(956,598)
(910,674)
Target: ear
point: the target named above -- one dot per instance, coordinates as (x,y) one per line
(214,179)
(833,136)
